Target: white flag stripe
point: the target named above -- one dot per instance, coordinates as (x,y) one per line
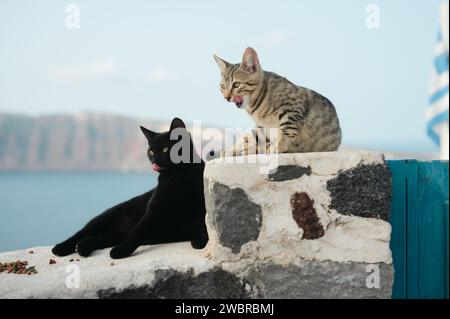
(439,81)
(440,48)
(439,107)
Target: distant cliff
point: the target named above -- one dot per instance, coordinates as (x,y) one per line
(73,142)
(89,141)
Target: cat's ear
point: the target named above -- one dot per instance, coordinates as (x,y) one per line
(221,63)
(148,134)
(250,61)
(177,123)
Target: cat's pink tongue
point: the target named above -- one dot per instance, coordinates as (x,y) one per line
(156,167)
(238,100)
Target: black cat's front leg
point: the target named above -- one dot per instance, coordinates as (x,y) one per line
(199,237)
(96,226)
(137,237)
(88,244)
(68,246)
(123,250)
(199,242)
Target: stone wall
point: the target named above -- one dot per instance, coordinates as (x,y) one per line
(314,226)
(309,226)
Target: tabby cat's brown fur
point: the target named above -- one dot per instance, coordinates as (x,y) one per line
(307,121)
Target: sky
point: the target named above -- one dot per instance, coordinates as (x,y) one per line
(153,59)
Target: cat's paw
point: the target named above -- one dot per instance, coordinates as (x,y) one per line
(273,149)
(280,149)
(121,251)
(63,249)
(85,247)
(199,243)
(246,151)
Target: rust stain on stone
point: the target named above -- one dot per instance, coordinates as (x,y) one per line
(306,216)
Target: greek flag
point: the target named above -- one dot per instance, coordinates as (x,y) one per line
(437,112)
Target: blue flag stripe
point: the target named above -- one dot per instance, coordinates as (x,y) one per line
(438,95)
(433,122)
(441,63)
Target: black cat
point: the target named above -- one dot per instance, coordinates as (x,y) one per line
(174,211)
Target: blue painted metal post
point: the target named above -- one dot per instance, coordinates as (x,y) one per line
(432,249)
(399,223)
(420,229)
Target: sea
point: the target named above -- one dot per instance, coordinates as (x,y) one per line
(44,208)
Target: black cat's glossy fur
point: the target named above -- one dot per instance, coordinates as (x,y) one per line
(171,212)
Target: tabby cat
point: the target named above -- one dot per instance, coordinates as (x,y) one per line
(306,121)
(173,211)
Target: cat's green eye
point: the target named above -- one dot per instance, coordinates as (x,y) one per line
(236,84)
(165,149)
(222,86)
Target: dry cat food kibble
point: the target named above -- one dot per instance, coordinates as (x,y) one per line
(18,267)
(52,261)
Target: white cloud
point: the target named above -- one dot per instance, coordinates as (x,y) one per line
(162,75)
(77,73)
(274,39)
